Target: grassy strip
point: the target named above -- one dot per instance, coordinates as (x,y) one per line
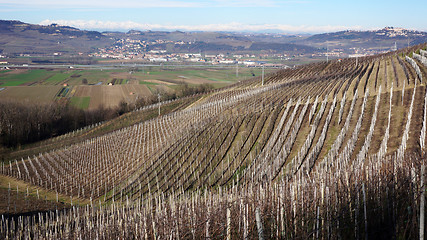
(147,83)
(59,77)
(43,193)
(80,102)
(4,71)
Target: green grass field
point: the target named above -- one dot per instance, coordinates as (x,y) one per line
(34,75)
(92,77)
(57,78)
(147,83)
(81,102)
(4,71)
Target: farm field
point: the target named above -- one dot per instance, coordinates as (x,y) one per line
(327,150)
(19,77)
(91,83)
(123,75)
(110,96)
(80,102)
(43,94)
(196,76)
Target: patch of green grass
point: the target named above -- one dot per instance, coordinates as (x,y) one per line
(333,133)
(121,82)
(19,79)
(155,72)
(218,80)
(80,102)
(92,76)
(13,83)
(147,83)
(151,89)
(59,77)
(174,87)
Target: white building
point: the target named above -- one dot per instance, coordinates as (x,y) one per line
(158,60)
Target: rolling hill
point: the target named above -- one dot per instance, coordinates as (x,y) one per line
(386,39)
(332,149)
(23,38)
(18,38)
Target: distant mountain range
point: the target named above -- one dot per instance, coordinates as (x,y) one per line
(18,38)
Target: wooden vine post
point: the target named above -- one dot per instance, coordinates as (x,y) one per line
(364,211)
(422,203)
(228,224)
(259,224)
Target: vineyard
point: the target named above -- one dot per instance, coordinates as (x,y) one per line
(326,150)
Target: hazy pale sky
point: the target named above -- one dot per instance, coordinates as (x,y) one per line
(299,16)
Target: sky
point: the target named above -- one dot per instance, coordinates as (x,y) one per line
(294,16)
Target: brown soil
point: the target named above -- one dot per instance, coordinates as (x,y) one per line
(417,120)
(43,94)
(333,131)
(159,82)
(356,113)
(381,124)
(399,115)
(194,80)
(111,96)
(18,203)
(366,124)
(303,131)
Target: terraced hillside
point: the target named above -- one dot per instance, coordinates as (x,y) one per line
(332,149)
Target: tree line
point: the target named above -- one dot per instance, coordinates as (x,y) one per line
(28,122)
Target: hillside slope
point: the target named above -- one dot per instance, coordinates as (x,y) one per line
(307,143)
(23,38)
(383,39)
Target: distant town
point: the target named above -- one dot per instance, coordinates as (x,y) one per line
(139,50)
(160,51)
(129,49)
